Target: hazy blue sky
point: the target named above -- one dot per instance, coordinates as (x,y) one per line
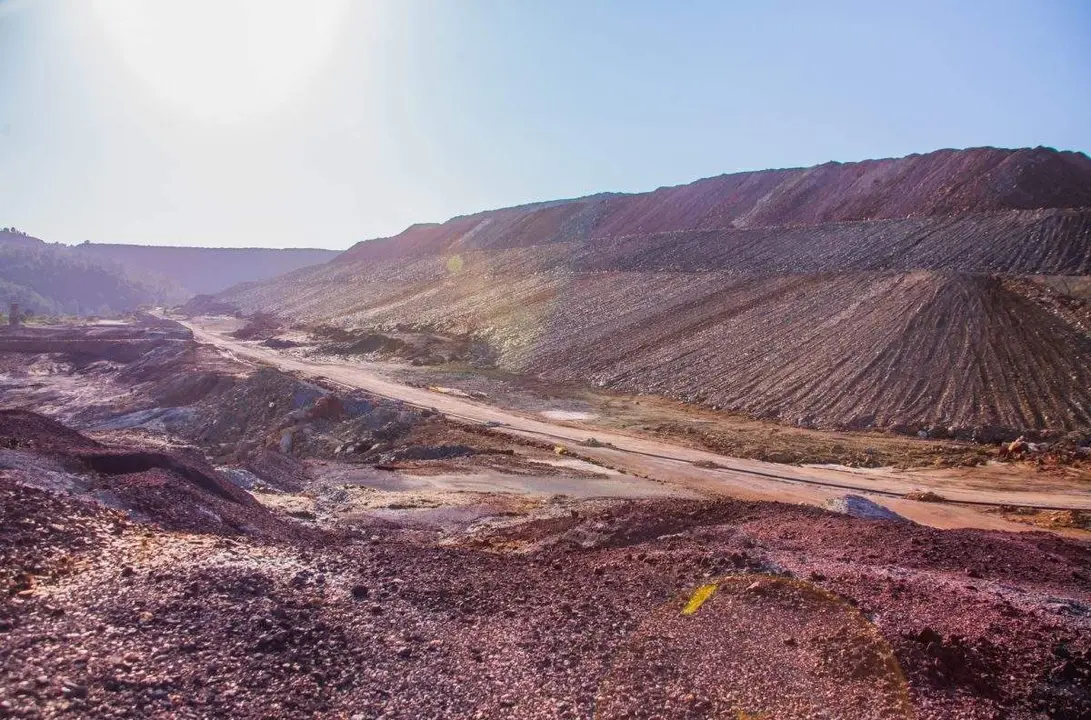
(213,123)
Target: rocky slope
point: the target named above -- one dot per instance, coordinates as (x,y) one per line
(880,293)
(943,183)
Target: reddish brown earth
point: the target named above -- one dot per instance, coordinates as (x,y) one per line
(572,617)
(177,491)
(943,183)
(138,579)
(887,294)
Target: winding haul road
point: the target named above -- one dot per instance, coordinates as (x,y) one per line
(673,464)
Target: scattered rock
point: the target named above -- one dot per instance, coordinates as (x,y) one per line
(924,496)
(860,507)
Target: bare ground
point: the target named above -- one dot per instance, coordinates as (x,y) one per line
(722,432)
(685,465)
(186,564)
(812,614)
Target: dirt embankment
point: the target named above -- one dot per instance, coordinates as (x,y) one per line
(173,489)
(953,355)
(115,343)
(403,344)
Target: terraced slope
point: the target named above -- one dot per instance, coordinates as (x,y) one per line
(946,182)
(874,301)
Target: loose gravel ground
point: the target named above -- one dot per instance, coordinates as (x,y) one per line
(815,615)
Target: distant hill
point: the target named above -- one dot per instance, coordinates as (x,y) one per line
(53,279)
(201,270)
(885,293)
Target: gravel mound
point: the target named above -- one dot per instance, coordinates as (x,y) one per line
(858,506)
(960,354)
(174,490)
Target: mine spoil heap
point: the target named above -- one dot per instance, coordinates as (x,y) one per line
(941,293)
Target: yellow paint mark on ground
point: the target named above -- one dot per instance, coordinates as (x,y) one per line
(700,595)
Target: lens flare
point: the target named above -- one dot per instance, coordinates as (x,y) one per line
(222,60)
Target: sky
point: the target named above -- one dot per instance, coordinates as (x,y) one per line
(320,123)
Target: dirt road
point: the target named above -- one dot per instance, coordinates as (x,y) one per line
(673,464)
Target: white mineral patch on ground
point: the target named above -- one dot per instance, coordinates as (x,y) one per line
(568,415)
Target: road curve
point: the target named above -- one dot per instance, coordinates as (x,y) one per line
(671,463)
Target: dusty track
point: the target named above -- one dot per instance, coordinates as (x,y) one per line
(670,463)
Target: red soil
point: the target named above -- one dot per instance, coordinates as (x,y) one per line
(827,614)
(945,182)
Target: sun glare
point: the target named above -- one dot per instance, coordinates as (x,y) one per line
(223,60)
